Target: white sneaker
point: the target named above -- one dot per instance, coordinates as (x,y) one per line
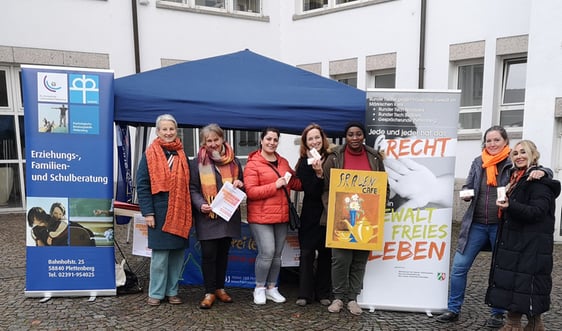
(259,295)
(354,308)
(274,295)
(336,306)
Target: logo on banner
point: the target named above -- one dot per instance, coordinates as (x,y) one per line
(85,119)
(441,276)
(52,87)
(84,89)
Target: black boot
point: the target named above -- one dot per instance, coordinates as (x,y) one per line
(448,317)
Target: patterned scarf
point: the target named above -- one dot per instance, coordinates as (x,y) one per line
(489,162)
(223,161)
(174,180)
(513,180)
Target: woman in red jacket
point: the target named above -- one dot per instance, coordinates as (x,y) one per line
(268,211)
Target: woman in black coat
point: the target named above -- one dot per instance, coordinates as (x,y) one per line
(520,277)
(313,284)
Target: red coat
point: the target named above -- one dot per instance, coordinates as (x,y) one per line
(266,203)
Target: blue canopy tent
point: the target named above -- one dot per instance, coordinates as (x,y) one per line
(243,91)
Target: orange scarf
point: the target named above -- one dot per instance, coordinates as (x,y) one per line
(489,162)
(224,163)
(175,181)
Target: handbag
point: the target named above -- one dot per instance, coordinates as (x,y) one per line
(126,281)
(120,277)
(294,218)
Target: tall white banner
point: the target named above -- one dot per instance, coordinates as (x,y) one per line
(417,130)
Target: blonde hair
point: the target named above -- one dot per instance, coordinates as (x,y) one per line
(206,130)
(530,149)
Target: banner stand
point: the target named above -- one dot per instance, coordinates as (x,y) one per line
(69,182)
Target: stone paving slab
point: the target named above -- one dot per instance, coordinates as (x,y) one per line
(130,312)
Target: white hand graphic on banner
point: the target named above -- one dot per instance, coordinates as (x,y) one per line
(416,183)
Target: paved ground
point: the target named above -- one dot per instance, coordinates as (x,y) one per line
(129,312)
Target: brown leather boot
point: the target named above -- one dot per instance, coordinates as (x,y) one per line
(223,296)
(513,322)
(535,324)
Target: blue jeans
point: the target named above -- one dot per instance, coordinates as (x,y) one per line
(270,239)
(478,236)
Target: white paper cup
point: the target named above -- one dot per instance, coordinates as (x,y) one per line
(501,193)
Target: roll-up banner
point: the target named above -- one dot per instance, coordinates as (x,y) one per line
(69,180)
(417,131)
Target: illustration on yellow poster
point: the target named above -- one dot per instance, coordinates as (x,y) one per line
(357,200)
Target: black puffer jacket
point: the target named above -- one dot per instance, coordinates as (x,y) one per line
(520,276)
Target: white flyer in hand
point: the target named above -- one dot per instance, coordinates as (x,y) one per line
(315,156)
(287,176)
(227,201)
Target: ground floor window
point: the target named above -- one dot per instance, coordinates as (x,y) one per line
(12,140)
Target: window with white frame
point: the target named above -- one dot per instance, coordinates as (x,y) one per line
(513,92)
(245,142)
(248,6)
(188,136)
(12,143)
(470,80)
(348,79)
(318,5)
(313,4)
(252,6)
(381,78)
(210,3)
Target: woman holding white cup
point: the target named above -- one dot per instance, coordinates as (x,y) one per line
(488,173)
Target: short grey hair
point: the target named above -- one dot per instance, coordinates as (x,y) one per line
(165,117)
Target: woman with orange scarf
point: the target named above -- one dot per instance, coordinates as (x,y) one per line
(165,203)
(215,165)
(480,222)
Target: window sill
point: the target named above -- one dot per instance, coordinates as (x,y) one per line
(338,8)
(469,135)
(464,135)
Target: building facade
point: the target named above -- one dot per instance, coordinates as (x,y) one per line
(504,55)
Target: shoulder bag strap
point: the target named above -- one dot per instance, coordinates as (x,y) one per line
(284,187)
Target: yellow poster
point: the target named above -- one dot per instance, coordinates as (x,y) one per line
(357,200)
